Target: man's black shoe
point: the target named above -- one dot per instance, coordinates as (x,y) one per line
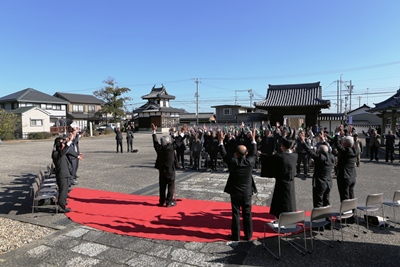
(231,238)
(61,210)
(74,182)
(171,204)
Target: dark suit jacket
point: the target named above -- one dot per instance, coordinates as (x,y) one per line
(323,166)
(284,198)
(347,157)
(61,163)
(165,161)
(240,181)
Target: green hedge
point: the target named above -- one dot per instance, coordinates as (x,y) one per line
(39,135)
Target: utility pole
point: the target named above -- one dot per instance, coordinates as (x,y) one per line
(350,91)
(196,80)
(340,90)
(338,97)
(250,91)
(359,101)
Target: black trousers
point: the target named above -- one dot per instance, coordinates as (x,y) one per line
(302,158)
(346,188)
(62,191)
(119,145)
(374,152)
(244,203)
(129,143)
(321,195)
(180,153)
(167,190)
(390,153)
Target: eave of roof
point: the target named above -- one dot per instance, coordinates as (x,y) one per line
(159,93)
(79,98)
(391,103)
(26,109)
(294,95)
(33,96)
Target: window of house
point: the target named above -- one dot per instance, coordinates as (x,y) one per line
(36,122)
(91,108)
(49,106)
(227,111)
(77,108)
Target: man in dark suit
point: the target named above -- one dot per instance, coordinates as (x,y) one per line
(240,184)
(165,164)
(267,148)
(284,171)
(322,178)
(63,170)
(347,157)
(118,139)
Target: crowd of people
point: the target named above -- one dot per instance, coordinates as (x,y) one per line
(280,151)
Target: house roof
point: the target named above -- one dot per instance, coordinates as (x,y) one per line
(151,106)
(79,98)
(22,110)
(294,95)
(33,96)
(160,92)
(232,106)
(391,103)
(363,106)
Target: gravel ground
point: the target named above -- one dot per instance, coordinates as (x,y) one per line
(14,234)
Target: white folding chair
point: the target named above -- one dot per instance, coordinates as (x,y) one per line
(394,203)
(320,217)
(347,208)
(288,223)
(373,203)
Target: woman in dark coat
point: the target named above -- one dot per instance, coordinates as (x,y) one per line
(284,199)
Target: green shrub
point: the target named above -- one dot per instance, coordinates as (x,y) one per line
(39,135)
(108,131)
(9,123)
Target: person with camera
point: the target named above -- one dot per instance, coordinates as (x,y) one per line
(63,170)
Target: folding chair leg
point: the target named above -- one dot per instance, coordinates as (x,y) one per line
(273,254)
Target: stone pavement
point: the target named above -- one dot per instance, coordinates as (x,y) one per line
(102,168)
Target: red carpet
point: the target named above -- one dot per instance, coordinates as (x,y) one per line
(134,215)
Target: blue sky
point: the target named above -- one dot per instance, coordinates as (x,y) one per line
(231,46)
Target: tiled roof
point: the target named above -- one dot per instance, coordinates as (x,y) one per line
(25,109)
(160,92)
(78,98)
(294,95)
(152,106)
(392,102)
(33,96)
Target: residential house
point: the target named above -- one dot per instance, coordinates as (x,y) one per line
(56,107)
(33,120)
(232,113)
(81,108)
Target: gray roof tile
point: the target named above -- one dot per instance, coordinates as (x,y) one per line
(79,98)
(33,96)
(160,92)
(294,95)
